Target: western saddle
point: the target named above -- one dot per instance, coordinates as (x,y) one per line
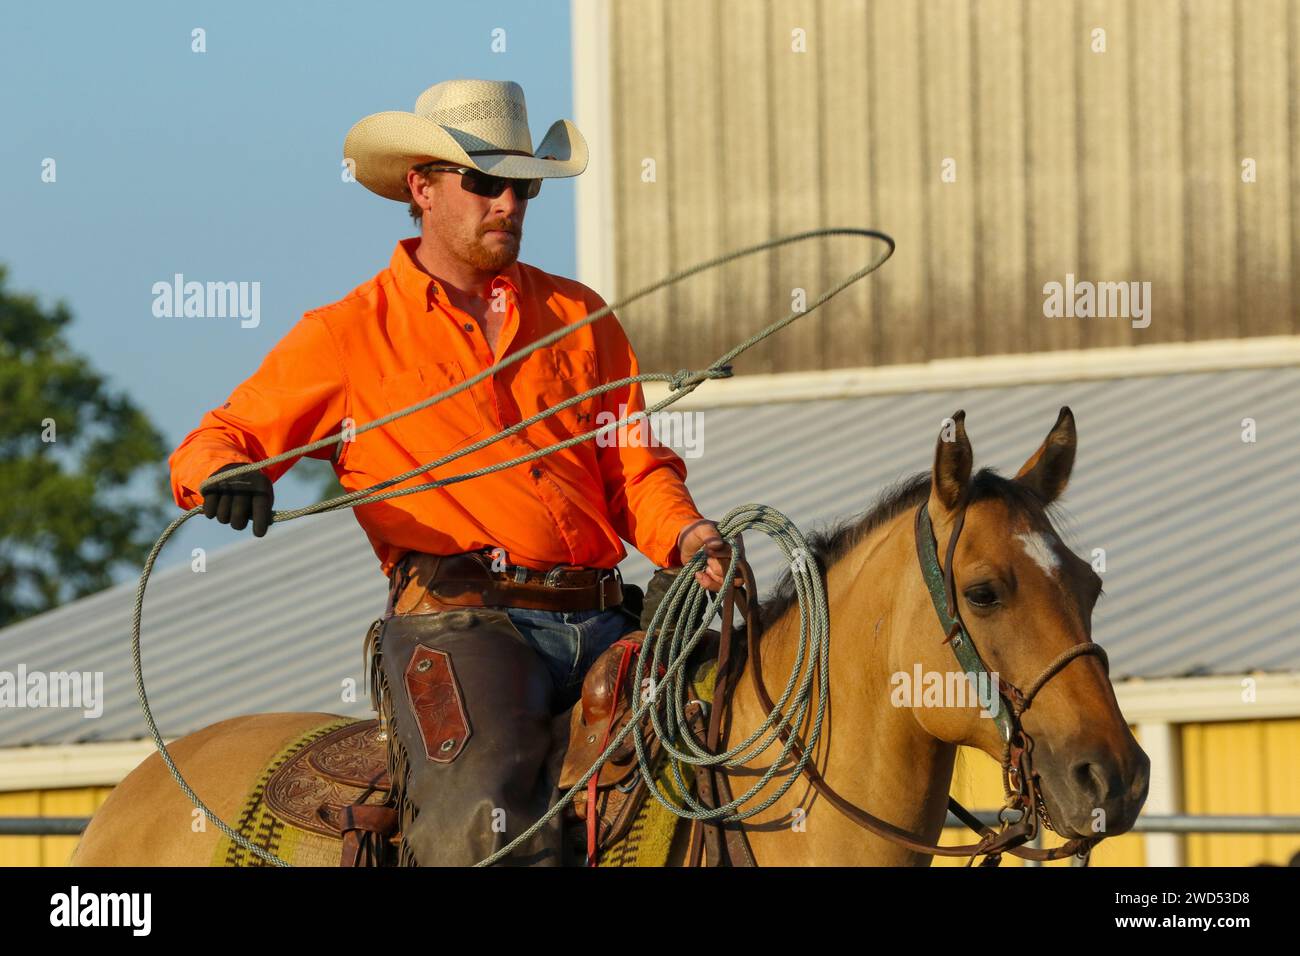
(338,785)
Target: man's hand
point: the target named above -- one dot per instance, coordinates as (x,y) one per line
(232,501)
(704,534)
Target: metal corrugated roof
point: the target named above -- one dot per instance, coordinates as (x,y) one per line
(1203,559)
(271,625)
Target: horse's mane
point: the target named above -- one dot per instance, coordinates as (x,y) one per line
(831,544)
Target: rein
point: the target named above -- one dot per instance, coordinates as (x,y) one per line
(1020,782)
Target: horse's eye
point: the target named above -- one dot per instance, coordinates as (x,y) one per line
(982,596)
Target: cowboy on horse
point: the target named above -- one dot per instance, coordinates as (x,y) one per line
(504,589)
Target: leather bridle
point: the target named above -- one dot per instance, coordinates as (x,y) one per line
(1020,782)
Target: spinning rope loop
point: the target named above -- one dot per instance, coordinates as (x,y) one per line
(685,594)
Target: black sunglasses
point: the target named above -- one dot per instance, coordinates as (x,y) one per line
(481,184)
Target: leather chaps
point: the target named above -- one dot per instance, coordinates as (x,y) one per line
(467,706)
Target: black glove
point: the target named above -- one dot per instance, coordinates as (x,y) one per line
(232,501)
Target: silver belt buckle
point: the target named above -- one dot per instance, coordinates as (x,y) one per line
(600,583)
(552,577)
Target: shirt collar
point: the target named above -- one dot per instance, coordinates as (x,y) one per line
(421,286)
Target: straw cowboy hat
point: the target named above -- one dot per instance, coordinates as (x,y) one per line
(482,124)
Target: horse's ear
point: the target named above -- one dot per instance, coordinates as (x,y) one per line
(952,463)
(1047,471)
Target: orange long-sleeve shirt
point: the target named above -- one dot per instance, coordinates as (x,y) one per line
(397,339)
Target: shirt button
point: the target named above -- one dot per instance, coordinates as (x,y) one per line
(468,327)
(537,472)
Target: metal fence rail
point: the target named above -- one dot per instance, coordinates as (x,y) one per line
(42,826)
(1149,823)
(1180,823)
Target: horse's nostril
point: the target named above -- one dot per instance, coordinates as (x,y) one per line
(1090,779)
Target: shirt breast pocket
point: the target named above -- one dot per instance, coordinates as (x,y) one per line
(442,426)
(564,374)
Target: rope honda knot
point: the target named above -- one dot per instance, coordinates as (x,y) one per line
(684,376)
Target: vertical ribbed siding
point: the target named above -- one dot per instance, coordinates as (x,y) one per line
(1105,160)
(1264,214)
(1115,166)
(1245,767)
(847,150)
(1160,244)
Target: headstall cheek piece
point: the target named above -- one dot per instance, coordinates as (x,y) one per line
(1020,782)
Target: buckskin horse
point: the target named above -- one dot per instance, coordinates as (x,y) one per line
(1010,594)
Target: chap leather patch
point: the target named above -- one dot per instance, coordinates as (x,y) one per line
(437,704)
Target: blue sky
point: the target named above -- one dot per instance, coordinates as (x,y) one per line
(225,166)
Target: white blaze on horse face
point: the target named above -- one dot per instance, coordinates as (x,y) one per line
(1040,549)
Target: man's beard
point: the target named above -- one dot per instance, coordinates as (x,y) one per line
(492,258)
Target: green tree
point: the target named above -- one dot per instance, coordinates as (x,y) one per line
(67,517)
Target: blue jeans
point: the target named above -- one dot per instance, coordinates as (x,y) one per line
(570,641)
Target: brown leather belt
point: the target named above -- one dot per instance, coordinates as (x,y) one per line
(425,583)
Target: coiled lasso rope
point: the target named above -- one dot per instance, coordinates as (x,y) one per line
(686,602)
(681,383)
